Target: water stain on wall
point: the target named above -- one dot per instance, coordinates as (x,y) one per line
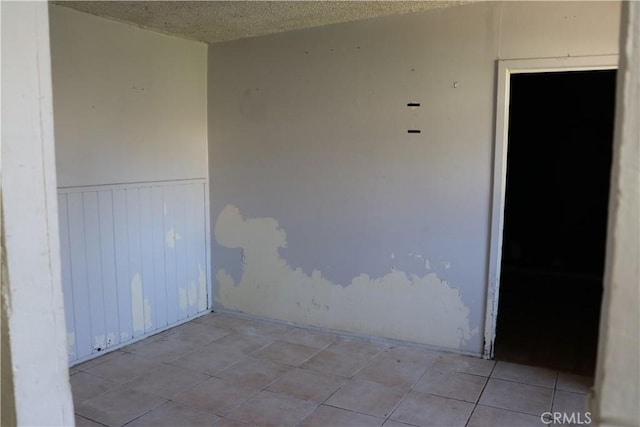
(421,309)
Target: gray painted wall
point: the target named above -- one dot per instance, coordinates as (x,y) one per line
(129,104)
(325,210)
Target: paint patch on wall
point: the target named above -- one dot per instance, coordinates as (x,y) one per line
(99,343)
(137,304)
(71,343)
(111,339)
(202,289)
(148,324)
(424,309)
(183,302)
(193,294)
(171,238)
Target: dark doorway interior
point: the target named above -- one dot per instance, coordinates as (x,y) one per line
(555,218)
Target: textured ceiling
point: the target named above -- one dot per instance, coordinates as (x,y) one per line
(216,21)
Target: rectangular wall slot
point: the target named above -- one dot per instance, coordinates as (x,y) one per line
(413,104)
(414,131)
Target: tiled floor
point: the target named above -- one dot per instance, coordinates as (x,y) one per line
(223,370)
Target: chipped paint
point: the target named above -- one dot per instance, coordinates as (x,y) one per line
(148,324)
(137,303)
(125,336)
(202,289)
(99,343)
(71,343)
(193,294)
(427,264)
(111,339)
(171,238)
(425,309)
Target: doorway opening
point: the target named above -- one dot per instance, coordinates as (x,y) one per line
(560,134)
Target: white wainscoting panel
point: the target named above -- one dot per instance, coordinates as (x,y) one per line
(135,260)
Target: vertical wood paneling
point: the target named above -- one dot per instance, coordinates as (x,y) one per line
(146,250)
(109,281)
(195,242)
(123,278)
(170,256)
(135,260)
(133,257)
(94,269)
(79,277)
(67,290)
(159,247)
(180,205)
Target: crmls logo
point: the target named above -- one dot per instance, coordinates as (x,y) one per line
(574,418)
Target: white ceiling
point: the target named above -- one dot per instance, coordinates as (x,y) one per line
(216,21)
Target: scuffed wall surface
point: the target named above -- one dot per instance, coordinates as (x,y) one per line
(310,129)
(129,104)
(426,300)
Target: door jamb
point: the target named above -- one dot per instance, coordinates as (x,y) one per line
(505,69)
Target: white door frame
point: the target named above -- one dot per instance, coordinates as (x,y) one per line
(505,69)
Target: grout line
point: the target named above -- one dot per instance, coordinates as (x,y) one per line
(495,363)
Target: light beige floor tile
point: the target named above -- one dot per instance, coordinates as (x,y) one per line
(216,395)
(397,367)
(166,381)
(367,397)
(455,385)
(98,360)
(250,326)
(464,364)
(253,373)
(245,344)
(206,317)
(209,360)
(162,350)
(196,334)
(427,410)
(391,423)
(123,368)
(172,414)
(310,338)
(325,416)
(84,422)
(356,348)
(85,386)
(306,385)
(524,374)
(286,353)
(228,321)
(518,397)
(568,402)
(178,342)
(337,363)
(270,409)
(119,406)
(228,422)
(574,383)
(484,416)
